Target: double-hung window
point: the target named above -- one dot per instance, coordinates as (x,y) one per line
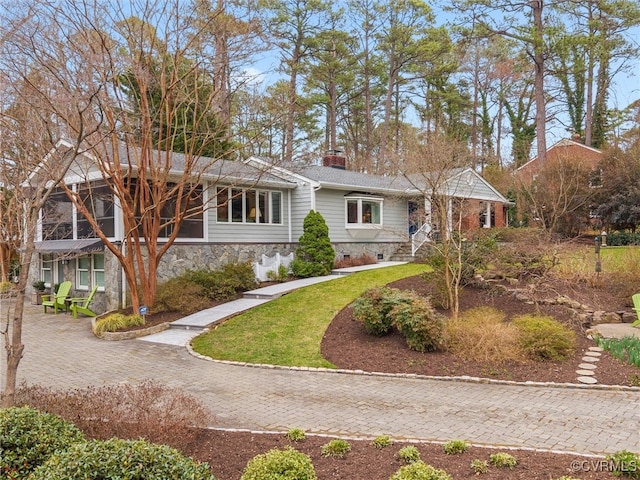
(90,271)
(237,205)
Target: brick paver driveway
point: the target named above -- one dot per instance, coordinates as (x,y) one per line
(62,352)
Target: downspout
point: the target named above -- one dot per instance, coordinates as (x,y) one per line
(290,220)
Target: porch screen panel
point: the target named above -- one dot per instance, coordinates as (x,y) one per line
(99,202)
(57,217)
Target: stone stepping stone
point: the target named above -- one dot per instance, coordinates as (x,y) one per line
(587,380)
(587,366)
(593,354)
(590,359)
(596,349)
(585,373)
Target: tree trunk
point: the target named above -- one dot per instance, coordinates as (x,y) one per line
(538,59)
(13,336)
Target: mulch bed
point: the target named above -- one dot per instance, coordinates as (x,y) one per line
(229,452)
(347,345)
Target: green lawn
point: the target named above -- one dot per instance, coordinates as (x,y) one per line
(614,260)
(288,331)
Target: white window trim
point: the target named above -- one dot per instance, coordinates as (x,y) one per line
(243,197)
(359,224)
(90,273)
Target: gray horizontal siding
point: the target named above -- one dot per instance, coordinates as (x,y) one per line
(230,232)
(331,204)
(300,207)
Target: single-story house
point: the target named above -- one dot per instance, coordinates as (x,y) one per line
(251,208)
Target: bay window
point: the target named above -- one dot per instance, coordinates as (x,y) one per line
(364,211)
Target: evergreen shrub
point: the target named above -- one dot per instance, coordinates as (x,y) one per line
(286,464)
(544,338)
(315,254)
(121,459)
(29,437)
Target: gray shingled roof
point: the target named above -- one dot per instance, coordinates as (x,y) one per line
(347,179)
(226,171)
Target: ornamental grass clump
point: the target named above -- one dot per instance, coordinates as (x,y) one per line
(296,435)
(336,448)
(455,447)
(117,321)
(29,437)
(481,334)
(286,464)
(479,466)
(544,338)
(502,459)
(382,441)
(409,454)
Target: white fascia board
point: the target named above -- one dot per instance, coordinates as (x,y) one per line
(392,191)
(279,171)
(498,196)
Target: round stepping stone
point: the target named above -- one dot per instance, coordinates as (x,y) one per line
(587,380)
(596,349)
(587,366)
(593,354)
(586,373)
(590,359)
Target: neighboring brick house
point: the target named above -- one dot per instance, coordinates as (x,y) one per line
(565,149)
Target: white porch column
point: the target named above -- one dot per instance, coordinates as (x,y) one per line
(427,215)
(487,216)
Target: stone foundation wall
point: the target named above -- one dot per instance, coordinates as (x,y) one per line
(183,257)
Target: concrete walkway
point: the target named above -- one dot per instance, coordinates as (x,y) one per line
(62,352)
(184,330)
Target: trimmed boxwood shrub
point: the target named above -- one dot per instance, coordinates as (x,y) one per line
(315,254)
(544,338)
(287,464)
(118,459)
(374,306)
(421,326)
(29,437)
(420,471)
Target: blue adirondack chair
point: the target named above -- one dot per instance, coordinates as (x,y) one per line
(81,305)
(57,300)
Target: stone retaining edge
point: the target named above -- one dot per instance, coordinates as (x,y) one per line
(130,335)
(463,378)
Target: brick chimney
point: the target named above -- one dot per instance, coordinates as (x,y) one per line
(333,159)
